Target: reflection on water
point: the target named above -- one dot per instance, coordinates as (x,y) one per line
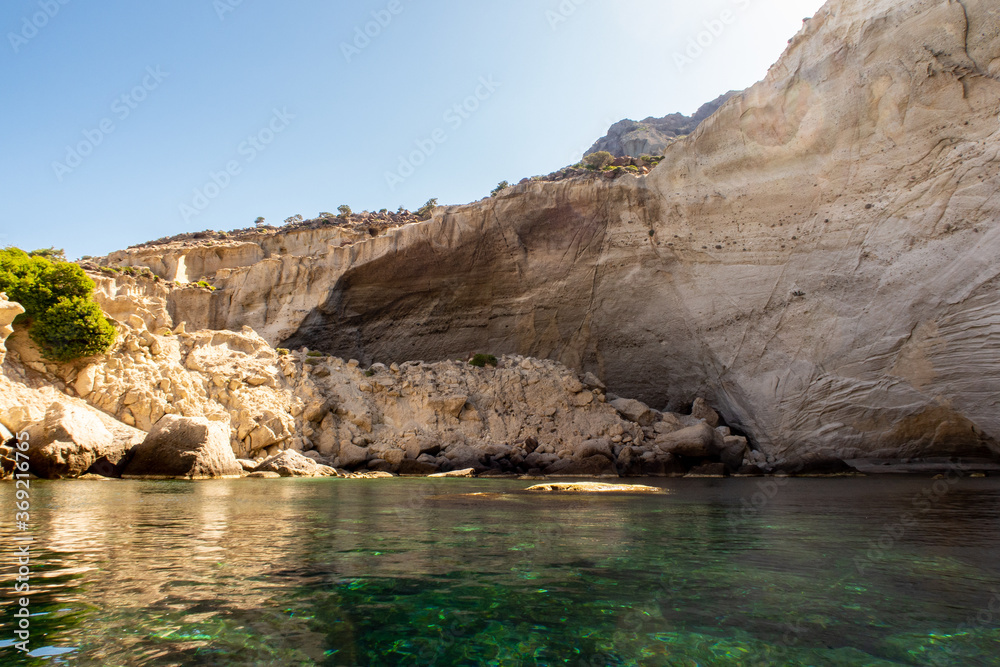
(416,572)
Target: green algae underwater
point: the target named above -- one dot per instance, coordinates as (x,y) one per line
(848,571)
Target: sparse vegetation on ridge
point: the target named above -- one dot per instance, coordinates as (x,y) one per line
(424,212)
(483,360)
(598,160)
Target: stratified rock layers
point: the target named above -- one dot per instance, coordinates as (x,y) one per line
(822,254)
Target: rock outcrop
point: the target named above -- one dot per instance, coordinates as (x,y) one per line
(652,135)
(68,441)
(9,310)
(224,403)
(66,437)
(820,257)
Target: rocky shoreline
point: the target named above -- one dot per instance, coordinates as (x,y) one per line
(221,404)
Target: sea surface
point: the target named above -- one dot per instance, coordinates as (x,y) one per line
(834,571)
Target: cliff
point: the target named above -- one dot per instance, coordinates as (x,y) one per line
(820,256)
(652,135)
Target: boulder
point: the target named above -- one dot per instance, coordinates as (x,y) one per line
(632,462)
(464,456)
(290,463)
(68,441)
(592,466)
(317,457)
(733,451)
(635,411)
(393,456)
(316,411)
(701,410)
(84,383)
(694,441)
(418,445)
(352,456)
(669,422)
(184,447)
(7,461)
(595,447)
(591,381)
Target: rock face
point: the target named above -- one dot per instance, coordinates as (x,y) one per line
(821,257)
(8,311)
(652,135)
(305,414)
(184,447)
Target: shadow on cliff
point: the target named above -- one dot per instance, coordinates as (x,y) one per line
(544,272)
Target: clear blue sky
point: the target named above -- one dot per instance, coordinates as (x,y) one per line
(183,85)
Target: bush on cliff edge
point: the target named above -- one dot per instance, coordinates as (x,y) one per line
(57,297)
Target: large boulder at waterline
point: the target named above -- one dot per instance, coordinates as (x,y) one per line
(185,447)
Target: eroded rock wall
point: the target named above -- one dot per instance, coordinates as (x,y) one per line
(821,254)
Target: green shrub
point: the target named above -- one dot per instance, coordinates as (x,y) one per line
(483,360)
(73,328)
(202,283)
(283,351)
(424,212)
(501,186)
(598,160)
(65,321)
(37,283)
(314,353)
(370,373)
(344,210)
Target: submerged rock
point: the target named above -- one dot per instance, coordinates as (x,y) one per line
(592,487)
(467,472)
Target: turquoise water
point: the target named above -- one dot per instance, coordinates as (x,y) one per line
(416,572)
